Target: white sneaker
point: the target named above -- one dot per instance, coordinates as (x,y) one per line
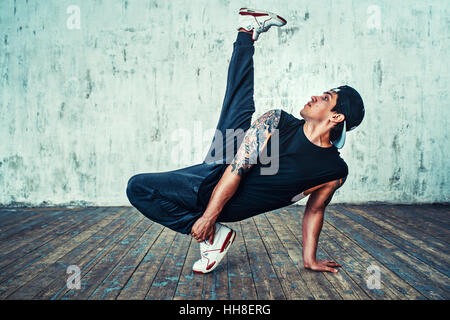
(213,253)
(258,21)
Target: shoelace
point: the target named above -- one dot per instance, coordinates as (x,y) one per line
(260,29)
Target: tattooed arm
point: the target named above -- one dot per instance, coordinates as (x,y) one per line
(255,140)
(312,225)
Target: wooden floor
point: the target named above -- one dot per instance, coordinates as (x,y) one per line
(122,255)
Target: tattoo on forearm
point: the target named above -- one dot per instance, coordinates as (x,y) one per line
(254,141)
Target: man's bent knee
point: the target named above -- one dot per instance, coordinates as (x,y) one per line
(134,187)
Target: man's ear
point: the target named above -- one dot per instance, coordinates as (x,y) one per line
(337,117)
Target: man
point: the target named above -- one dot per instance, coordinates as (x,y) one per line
(233,187)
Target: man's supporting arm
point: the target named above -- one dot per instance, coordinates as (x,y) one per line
(312,225)
(254,142)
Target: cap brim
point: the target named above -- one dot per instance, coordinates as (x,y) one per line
(339,143)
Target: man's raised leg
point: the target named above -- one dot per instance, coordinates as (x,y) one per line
(238,105)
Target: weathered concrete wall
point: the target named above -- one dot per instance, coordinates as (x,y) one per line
(92,94)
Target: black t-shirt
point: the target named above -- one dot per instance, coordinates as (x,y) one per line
(302,165)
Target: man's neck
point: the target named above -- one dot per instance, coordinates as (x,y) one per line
(318,134)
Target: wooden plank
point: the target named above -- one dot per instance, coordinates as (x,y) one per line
(410,225)
(18,223)
(437,216)
(416,214)
(44,224)
(268,286)
(88,253)
(16,249)
(21,229)
(116,280)
(190,284)
(164,284)
(12,217)
(52,280)
(289,232)
(424,279)
(35,256)
(95,276)
(291,279)
(414,247)
(241,283)
(142,278)
(412,218)
(54,250)
(27,274)
(6,212)
(423,213)
(429,251)
(442,209)
(393,287)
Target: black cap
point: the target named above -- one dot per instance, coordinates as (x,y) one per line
(351,105)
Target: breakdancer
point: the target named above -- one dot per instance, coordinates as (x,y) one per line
(238,179)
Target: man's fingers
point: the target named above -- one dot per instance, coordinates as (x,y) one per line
(330,269)
(198,237)
(332,264)
(324,268)
(204,234)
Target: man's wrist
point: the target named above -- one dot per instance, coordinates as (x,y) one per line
(307,262)
(211,216)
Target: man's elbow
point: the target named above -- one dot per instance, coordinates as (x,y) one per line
(319,200)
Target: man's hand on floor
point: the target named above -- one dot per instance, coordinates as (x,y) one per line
(203,229)
(323,265)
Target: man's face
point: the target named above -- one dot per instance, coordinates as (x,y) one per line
(319,108)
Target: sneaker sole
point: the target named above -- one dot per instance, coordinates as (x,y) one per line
(259,13)
(223,251)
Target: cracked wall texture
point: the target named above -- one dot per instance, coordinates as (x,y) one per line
(139,86)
